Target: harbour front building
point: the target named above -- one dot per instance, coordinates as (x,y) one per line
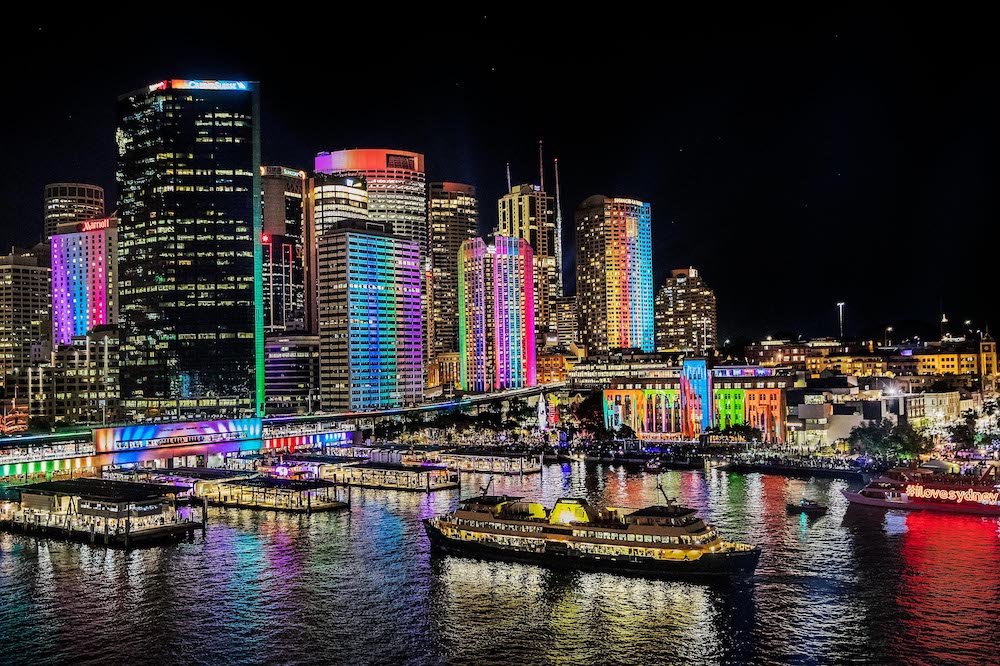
(190,265)
(496,315)
(699,399)
(369,318)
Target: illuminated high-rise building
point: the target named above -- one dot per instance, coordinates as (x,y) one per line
(397,194)
(332,199)
(190,265)
(528,212)
(369,318)
(284,284)
(496,314)
(684,313)
(454,216)
(566,321)
(283,207)
(614,274)
(71,203)
(84,278)
(25,315)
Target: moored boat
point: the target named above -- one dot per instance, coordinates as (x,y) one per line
(658,541)
(808,507)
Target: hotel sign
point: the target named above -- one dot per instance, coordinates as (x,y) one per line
(957,496)
(94,225)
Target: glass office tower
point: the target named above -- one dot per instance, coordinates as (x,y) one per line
(190,249)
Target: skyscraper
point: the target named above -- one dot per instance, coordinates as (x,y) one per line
(614,284)
(25,315)
(190,248)
(685,314)
(454,216)
(528,212)
(71,202)
(332,199)
(283,206)
(566,321)
(84,277)
(397,194)
(369,318)
(496,314)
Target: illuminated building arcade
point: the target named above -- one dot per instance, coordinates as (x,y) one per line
(699,399)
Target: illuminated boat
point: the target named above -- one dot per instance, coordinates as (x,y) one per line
(657,541)
(922,489)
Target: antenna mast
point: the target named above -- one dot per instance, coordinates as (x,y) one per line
(508,177)
(559,258)
(541,168)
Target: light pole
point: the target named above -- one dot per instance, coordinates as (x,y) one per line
(840,314)
(888,330)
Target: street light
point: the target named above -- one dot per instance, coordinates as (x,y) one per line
(888,330)
(840,313)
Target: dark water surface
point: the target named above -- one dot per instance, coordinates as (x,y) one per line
(863,586)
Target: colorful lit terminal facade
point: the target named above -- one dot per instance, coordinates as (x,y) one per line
(496,297)
(698,399)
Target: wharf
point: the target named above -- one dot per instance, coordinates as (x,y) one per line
(278,494)
(797,471)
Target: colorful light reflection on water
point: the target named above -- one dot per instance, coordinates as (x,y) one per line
(361,587)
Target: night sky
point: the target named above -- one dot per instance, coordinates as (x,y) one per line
(794,165)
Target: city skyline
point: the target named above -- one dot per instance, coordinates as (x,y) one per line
(716,161)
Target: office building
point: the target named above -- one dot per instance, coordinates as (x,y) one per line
(291,373)
(190,264)
(397,195)
(566,321)
(284,204)
(332,199)
(685,314)
(25,316)
(614,269)
(84,261)
(369,318)
(454,217)
(71,203)
(496,315)
(529,213)
(79,382)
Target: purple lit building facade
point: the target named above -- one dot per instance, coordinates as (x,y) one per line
(84,278)
(496,296)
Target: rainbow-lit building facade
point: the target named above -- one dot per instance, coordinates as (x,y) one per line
(369,318)
(496,307)
(84,278)
(699,398)
(614,274)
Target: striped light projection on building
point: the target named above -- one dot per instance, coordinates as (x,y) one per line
(84,278)
(496,314)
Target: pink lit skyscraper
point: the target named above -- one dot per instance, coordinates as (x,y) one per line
(84,277)
(496,296)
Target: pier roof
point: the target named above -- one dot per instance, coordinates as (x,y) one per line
(200,473)
(277,483)
(397,467)
(106,490)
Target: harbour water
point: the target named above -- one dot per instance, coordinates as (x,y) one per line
(860,585)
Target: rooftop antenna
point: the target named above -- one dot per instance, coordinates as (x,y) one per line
(508,177)
(559,258)
(541,168)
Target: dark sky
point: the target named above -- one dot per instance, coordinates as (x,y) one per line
(796,165)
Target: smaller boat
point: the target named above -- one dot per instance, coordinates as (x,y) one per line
(655,466)
(807,507)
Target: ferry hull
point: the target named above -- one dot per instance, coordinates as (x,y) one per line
(739,564)
(966,507)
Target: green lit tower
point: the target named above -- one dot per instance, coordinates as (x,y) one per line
(190,282)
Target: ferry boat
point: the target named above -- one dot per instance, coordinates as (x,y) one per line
(922,489)
(657,541)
